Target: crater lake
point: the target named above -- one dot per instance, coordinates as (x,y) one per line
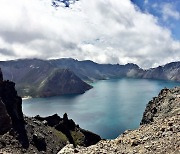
(110,108)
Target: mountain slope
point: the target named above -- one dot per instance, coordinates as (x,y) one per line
(62,82)
(169,71)
(36,78)
(89,71)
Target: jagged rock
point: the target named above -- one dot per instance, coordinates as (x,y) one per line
(73,132)
(5,120)
(12,102)
(90,138)
(166,104)
(69,122)
(1,76)
(51,120)
(13,106)
(39,141)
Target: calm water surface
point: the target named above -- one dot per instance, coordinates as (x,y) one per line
(108,109)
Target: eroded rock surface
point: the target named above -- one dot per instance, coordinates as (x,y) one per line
(167,104)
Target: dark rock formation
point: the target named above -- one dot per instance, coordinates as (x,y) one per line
(90,138)
(39,141)
(51,120)
(1,76)
(13,107)
(75,135)
(5,120)
(12,102)
(166,104)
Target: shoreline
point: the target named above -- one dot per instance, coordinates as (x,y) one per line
(27,97)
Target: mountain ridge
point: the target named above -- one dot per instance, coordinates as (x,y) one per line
(30,74)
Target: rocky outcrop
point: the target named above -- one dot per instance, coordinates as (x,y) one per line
(11,111)
(1,76)
(43,138)
(5,120)
(11,104)
(75,134)
(159,131)
(11,100)
(167,104)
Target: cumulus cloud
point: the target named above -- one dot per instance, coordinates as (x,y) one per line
(105,31)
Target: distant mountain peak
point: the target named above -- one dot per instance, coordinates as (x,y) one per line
(132,65)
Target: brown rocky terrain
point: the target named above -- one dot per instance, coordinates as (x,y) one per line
(20,134)
(159,131)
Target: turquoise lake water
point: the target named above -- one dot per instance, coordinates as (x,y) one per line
(108,109)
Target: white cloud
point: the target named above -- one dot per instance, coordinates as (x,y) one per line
(169,11)
(106,31)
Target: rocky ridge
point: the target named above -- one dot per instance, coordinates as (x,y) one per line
(69,76)
(159,131)
(21,134)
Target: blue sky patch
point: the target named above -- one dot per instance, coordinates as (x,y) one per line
(166,11)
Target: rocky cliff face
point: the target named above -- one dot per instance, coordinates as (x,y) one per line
(19,134)
(159,131)
(11,108)
(169,71)
(5,120)
(167,104)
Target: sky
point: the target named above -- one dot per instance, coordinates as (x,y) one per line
(145,32)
